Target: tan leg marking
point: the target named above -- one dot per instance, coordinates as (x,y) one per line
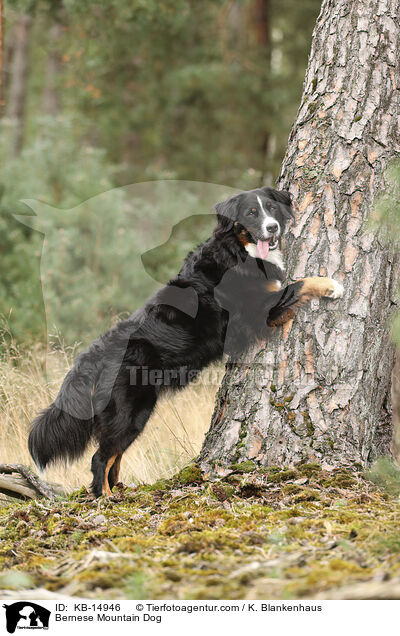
(287,315)
(274,285)
(313,287)
(106,486)
(117,465)
(319,287)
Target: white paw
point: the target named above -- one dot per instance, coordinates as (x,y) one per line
(338,290)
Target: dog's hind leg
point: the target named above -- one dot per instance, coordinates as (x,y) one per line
(106,490)
(114,439)
(113,475)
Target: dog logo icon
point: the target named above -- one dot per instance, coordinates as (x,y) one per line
(26,615)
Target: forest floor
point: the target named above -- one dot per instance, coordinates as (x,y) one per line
(282,534)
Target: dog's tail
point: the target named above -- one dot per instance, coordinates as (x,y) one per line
(64,429)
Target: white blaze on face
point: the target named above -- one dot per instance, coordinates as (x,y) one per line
(268,220)
(261,249)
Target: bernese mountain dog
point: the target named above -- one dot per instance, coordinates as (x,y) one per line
(228,294)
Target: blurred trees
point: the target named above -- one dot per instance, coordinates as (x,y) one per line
(175,89)
(1,54)
(17,91)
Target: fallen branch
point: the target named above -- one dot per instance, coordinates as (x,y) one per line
(19,481)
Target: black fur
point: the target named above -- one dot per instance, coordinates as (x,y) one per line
(218,303)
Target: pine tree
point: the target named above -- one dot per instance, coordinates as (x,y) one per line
(323,390)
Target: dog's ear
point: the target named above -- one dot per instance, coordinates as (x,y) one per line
(226,213)
(283,197)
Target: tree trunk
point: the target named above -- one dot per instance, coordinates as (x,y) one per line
(19,72)
(262,28)
(320,391)
(51,97)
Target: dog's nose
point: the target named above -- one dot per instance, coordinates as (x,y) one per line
(273,228)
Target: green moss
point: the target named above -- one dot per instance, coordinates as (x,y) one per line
(241,443)
(308,422)
(291,489)
(332,573)
(202,540)
(77,495)
(341,479)
(309,469)
(190,475)
(243,467)
(283,475)
(357,118)
(222,491)
(314,83)
(306,494)
(160,485)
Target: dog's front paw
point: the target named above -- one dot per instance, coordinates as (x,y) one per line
(320,287)
(335,290)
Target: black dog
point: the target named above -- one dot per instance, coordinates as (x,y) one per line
(227,295)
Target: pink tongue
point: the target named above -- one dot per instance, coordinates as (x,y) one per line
(262,248)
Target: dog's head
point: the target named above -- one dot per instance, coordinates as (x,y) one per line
(257,218)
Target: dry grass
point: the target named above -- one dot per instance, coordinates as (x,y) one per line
(171,439)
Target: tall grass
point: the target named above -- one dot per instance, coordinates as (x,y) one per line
(172,437)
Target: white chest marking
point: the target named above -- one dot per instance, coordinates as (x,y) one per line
(274,257)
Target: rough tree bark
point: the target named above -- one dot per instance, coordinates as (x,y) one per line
(15,108)
(320,390)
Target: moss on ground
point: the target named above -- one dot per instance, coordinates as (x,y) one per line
(280,533)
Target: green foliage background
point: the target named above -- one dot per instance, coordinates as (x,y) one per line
(147,90)
(385,220)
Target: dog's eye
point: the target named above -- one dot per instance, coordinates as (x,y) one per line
(252,212)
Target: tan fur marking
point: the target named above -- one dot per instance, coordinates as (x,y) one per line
(242,238)
(106,487)
(313,287)
(117,465)
(316,287)
(273,286)
(282,319)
